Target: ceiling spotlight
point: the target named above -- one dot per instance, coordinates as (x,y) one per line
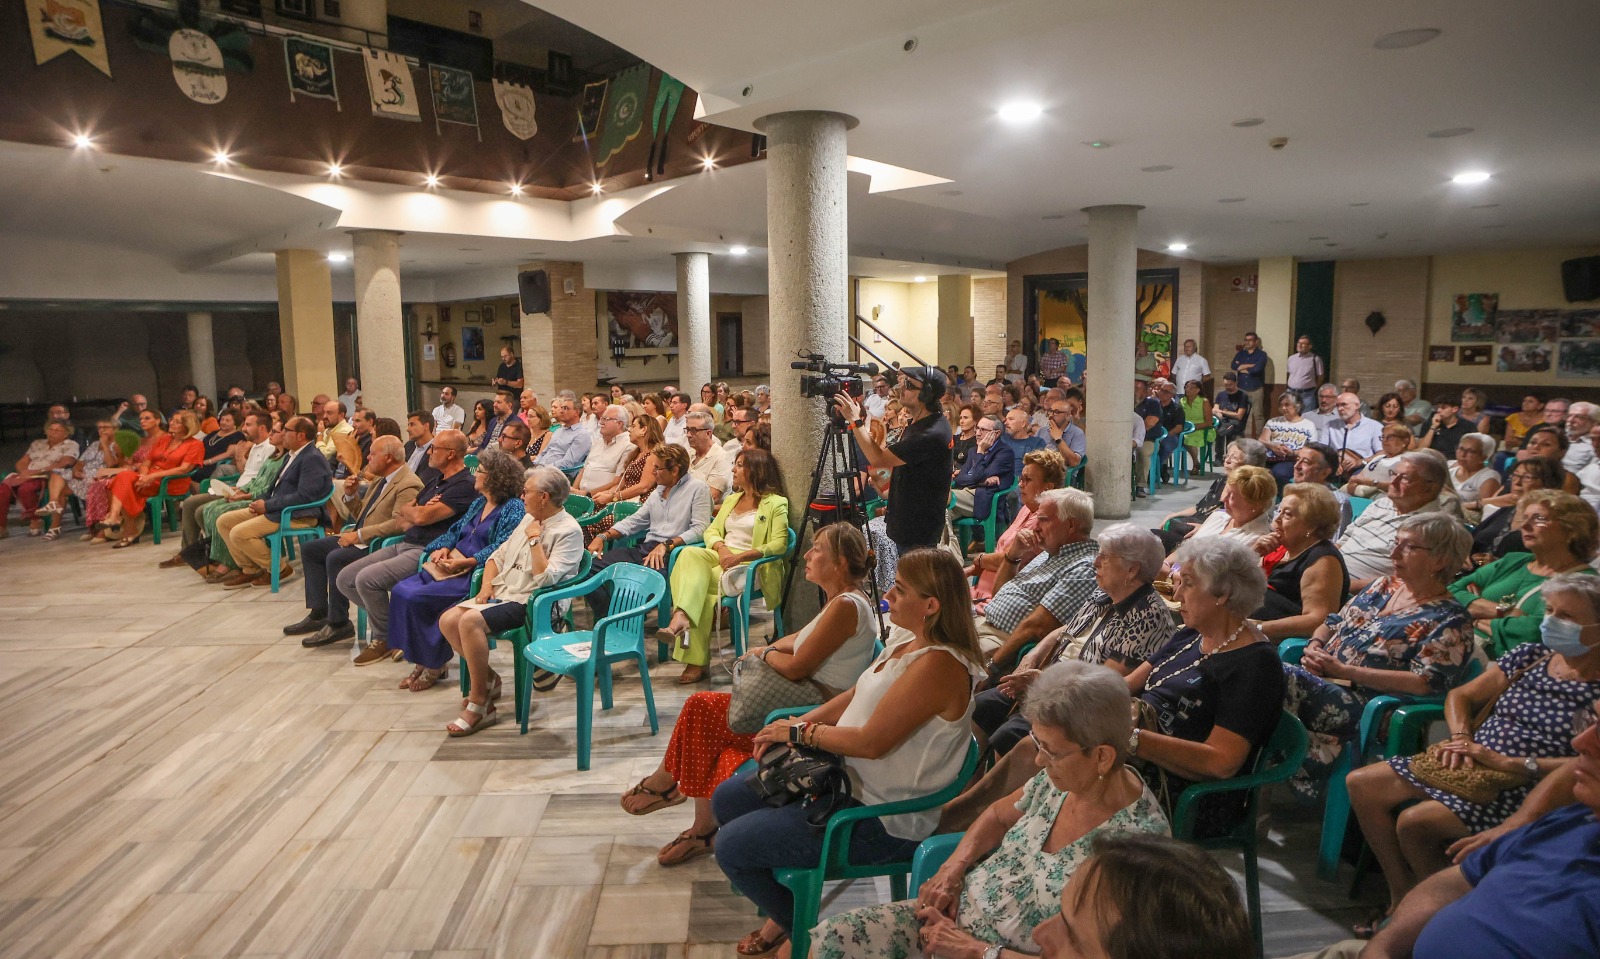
(432,180)
(708,163)
(597,189)
(337,257)
(1177,247)
(919,279)
(221,158)
(335,170)
(1021,112)
(738,250)
(82,141)
(516,189)
(1402,39)
(1470,177)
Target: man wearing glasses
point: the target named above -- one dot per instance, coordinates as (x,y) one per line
(708,462)
(990,468)
(1065,435)
(610,455)
(742,420)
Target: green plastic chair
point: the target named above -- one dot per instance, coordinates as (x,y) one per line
(168,503)
(617,512)
(471,461)
(966,524)
(739,606)
(1275,763)
(618,636)
(1358,505)
(1074,475)
(1153,481)
(283,541)
(519,638)
(806,884)
(934,852)
(578,505)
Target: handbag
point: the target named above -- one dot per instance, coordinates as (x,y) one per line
(1475,784)
(813,777)
(758,689)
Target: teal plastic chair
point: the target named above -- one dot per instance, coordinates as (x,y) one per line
(934,852)
(283,541)
(1275,763)
(169,504)
(619,636)
(578,505)
(806,884)
(1358,505)
(1074,477)
(519,638)
(739,606)
(1153,481)
(361,614)
(617,512)
(1208,448)
(1180,453)
(1336,802)
(471,461)
(965,526)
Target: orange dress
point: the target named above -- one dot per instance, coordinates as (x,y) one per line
(125,486)
(704,751)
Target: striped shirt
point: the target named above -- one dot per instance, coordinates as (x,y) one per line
(1060,582)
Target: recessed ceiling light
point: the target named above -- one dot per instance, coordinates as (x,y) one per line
(432,180)
(337,257)
(1448,133)
(82,141)
(335,170)
(738,250)
(221,158)
(1231,199)
(1021,111)
(597,189)
(1470,177)
(516,189)
(1248,122)
(1177,247)
(1097,144)
(708,163)
(919,279)
(1158,168)
(1403,39)
(1362,203)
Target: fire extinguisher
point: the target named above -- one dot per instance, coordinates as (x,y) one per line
(450,355)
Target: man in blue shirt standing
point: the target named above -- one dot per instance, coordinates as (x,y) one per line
(1251,365)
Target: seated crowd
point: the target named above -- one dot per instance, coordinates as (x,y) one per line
(1336,558)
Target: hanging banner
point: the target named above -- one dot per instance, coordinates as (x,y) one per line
(389,83)
(516,109)
(454,100)
(197,66)
(68,26)
(310,69)
(624,113)
(594,97)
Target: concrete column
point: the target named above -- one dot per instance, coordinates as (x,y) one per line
(807,283)
(202,356)
(955,320)
(380,323)
(694,321)
(305,324)
(1113,315)
(1275,282)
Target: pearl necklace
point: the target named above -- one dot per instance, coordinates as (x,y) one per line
(1155,675)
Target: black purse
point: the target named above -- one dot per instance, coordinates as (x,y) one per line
(813,777)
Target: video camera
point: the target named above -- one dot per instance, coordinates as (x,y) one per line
(826,379)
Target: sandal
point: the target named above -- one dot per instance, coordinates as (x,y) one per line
(422,679)
(1368,928)
(494,690)
(671,797)
(755,946)
(125,542)
(53,535)
(687,848)
(416,674)
(487,715)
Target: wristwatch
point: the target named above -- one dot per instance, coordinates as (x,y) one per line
(993,952)
(1502,610)
(1133,742)
(1531,767)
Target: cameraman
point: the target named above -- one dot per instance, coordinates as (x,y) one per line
(919,487)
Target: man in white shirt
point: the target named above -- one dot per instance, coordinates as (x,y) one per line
(743,421)
(350,397)
(447,415)
(1324,415)
(258,430)
(1354,436)
(876,403)
(1190,365)
(674,431)
(1414,487)
(1581,420)
(609,455)
(708,462)
(595,408)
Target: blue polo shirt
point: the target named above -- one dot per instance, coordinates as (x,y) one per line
(1251,380)
(1536,894)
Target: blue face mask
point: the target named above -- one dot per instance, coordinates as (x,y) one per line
(1563,637)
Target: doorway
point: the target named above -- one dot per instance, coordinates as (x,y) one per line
(730,344)
(1056,307)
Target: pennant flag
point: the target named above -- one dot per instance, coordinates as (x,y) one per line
(389,83)
(454,100)
(594,97)
(197,66)
(624,112)
(516,109)
(310,69)
(68,26)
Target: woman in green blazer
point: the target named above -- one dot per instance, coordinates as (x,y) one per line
(752,523)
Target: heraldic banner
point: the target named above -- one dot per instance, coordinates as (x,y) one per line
(516,109)
(394,95)
(68,26)
(624,112)
(454,99)
(310,68)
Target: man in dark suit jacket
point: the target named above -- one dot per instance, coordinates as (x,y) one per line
(989,469)
(306,478)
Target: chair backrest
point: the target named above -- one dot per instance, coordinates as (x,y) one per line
(635,590)
(1275,762)
(578,505)
(1358,505)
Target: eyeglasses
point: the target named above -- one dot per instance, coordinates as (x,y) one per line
(1407,547)
(1060,412)
(1046,753)
(697,429)
(1533,520)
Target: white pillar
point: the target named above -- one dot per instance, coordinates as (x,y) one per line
(1113,291)
(203,357)
(380,327)
(694,321)
(808,290)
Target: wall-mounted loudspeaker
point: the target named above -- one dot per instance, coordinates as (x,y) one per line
(534,288)
(1581,278)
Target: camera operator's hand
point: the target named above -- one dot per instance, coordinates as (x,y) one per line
(847,407)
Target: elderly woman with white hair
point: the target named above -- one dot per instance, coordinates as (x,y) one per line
(1471,476)
(1210,698)
(1241,452)
(1006,876)
(1403,634)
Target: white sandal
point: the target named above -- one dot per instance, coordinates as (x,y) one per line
(487,716)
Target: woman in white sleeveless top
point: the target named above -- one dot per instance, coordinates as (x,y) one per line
(903,731)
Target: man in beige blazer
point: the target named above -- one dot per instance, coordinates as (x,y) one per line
(372,513)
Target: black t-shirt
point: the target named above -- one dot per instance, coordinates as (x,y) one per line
(1240,690)
(509,371)
(1447,438)
(1148,407)
(919,491)
(456,492)
(1172,418)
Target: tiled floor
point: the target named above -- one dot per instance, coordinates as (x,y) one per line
(180,779)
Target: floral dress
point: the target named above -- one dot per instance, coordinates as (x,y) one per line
(1432,640)
(1005,896)
(1536,716)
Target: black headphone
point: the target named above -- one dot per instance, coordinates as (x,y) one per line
(934,383)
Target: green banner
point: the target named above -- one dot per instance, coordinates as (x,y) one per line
(624,112)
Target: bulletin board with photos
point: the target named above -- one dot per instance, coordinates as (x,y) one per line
(1526,340)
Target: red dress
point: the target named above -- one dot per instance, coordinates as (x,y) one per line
(704,751)
(124,486)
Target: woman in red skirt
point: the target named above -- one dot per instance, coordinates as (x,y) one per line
(179,454)
(831,650)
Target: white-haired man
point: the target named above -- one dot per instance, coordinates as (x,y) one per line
(609,456)
(1582,417)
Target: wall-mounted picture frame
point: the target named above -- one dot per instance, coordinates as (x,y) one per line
(471,344)
(488,314)
(1442,354)
(1477,355)
(470,316)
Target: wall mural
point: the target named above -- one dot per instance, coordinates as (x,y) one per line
(642,323)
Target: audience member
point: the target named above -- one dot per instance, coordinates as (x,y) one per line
(96,457)
(224,447)
(1368,542)
(1197,414)
(1241,452)
(219,563)
(1355,436)
(1065,434)
(676,428)
(1417,411)
(1549,443)
(1188,367)
(1251,365)
(419,441)
(1308,581)
(1018,426)
(638,478)
(1472,409)
(257,436)
(990,469)
(677,512)
(447,415)
(514,440)
(1519,423)
(504,408)
(1284,435)
(1305,372)
(1500,533)
(130,415)
(56,451)
(567,447)
(609,456)
(508,375)
(1232,408)
(1446,427)
(1042,470)
(1470,475)
(1247,495)
(304,478)
(350,399)
(708,462)
(172,459)
(99,504)
(1582,418)
(1372,478)
(1323,414)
